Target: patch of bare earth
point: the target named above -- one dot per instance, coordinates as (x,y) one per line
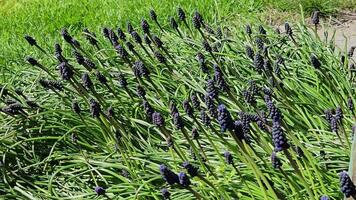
(344,26)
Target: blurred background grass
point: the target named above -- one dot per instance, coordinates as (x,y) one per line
(44,18)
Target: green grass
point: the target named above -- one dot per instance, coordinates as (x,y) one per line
(53,153)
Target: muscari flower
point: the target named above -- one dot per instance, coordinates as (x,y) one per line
(95,108)
(129,27)
(201,59)
(140,91)
(157,41)
(204,118)
(173,108)
(165,193)
(122,80)
(276,163)
(121,51)
(258,62)
(191,169)
(187,108)
(338,114)
(32,61)
(333,124)
(145,26)
(58,53)
(324,197)
(211,89)
(219,78)
(196,21)
(350,104)
(259,43)
(99,190)
(262,30)
(184,179)
(113,37)
(168,175)
(121,34)
(31,41)
(86,80)
(141,69)
(50,84)
(173,23)
(130,46)
(199,17)
(267,65)
(244,125)
(315,17)
(147,39)
(228,158)
(248,29)
(315,61)
(224,118)
(90,37)
(75,107)
(136,37)
(178,121)
(249,97)
(278,137)
(101,78)
(249,52)
(288,29)
(351,51)
(106,33)
(65,70)
(160,57)
(78,57)
(206,46)
(89,64)
(209,102)
(195,101)
(219,33)
(157,119)
(148,108)
(328,115)
(66,36)
(181,14)
(153,15)
(346,185)
(195,134)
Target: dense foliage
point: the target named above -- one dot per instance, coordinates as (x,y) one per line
(151,111)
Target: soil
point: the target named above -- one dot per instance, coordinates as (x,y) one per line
(344,26)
